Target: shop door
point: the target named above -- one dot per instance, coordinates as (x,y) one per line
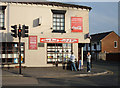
(79,54)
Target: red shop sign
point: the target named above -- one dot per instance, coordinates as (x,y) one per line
(76,24)
(33,42)
(58,40)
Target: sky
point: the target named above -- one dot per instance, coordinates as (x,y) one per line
(103,17)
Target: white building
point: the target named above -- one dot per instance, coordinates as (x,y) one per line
(55,30)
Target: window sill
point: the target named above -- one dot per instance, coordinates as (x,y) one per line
(58,31)
(2,28)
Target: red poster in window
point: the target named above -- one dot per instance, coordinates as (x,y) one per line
(76,24)
(58,40)
(32,42)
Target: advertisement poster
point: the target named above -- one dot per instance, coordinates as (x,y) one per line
(58,40)
(32,42)
(76,24)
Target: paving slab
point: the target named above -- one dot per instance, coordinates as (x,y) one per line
(52,72)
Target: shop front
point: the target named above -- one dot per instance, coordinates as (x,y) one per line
(59,49)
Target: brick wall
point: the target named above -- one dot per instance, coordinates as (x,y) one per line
(108,43)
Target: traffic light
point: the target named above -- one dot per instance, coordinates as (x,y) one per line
(24,31)
(14,31)
(19,31)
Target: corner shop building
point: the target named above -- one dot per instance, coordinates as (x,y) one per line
(55,30)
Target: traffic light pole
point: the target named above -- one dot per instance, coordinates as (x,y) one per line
(21,33)
(19,56)
(19,53)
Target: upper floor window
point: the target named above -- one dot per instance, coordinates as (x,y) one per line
(95,46)
(2,17)
(98,43)
(115,44)
(59,21)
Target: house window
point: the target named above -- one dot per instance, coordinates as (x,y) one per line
(2,17)
(59,21)
(94,46)
(115,44)
(97,43)
(89,44)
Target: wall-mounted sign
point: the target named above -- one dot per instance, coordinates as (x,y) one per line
(32,42)
(58,40)
(76,24)
(40,44)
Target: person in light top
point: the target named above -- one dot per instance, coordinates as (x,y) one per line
(88,62)
(72,59)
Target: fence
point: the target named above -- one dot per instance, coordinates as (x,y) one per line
(109,56)
(102,56)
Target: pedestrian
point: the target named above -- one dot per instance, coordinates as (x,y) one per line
(88,62)
(72,58)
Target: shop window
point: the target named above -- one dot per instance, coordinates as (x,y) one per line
(9,52)
(3,60)
(58,52)
(59,21)
(2,17)
(9,60)
(115,44)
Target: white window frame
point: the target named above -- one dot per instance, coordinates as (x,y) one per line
(57,23)
(114,44)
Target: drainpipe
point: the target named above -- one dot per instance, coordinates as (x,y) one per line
(91,53)
(8,8)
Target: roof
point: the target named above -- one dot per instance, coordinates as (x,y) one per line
(45,2)
(99,36)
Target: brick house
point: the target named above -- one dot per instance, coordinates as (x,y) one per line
(107,42)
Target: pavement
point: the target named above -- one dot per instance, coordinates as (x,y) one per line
(52,72)
(46,75)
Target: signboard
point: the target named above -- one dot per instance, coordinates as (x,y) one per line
(76,24)
(58,40)
(33,42)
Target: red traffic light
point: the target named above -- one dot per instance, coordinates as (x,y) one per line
(19,30)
